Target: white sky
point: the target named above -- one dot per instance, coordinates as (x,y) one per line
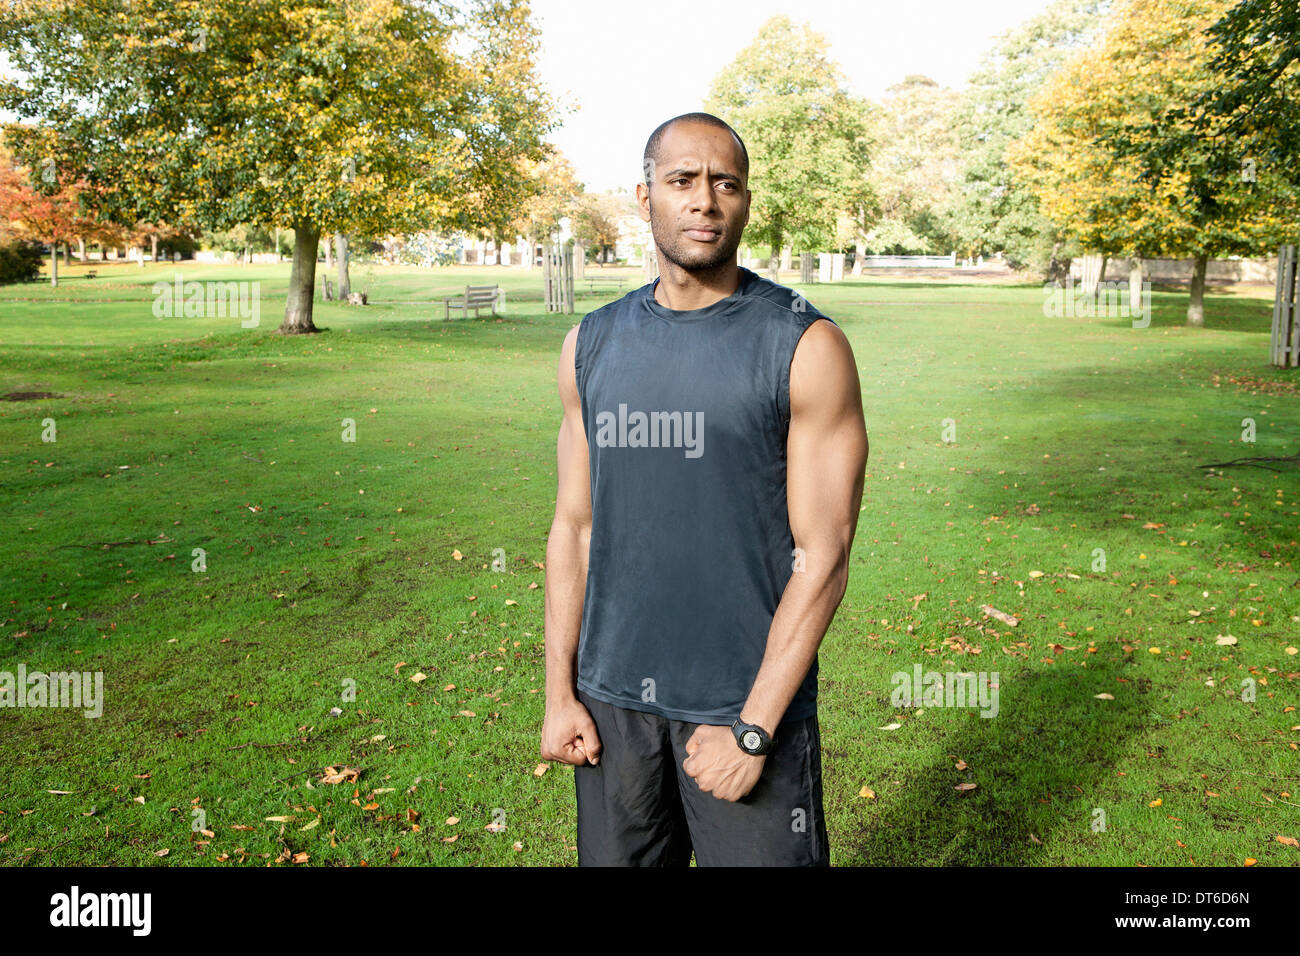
(629,66)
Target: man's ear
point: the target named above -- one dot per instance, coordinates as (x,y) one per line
(643,201)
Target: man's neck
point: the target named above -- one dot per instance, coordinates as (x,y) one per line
(682,290)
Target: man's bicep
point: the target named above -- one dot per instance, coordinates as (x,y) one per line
(573,480)
(826,450)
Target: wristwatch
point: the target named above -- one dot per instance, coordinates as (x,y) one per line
(751,738)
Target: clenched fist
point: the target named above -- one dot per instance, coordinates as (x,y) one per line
(569,734)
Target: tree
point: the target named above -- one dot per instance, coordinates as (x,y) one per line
(41,208)
(1108,110)
(994,210)
(807,137)
(595,223)
(1251,112)
(555,195)
(362,117)
(915,164)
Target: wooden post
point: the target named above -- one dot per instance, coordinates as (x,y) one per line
(557,278)
(1285,344)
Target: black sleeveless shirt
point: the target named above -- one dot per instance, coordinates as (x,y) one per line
(686,415)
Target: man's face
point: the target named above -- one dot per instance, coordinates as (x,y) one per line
(697,205)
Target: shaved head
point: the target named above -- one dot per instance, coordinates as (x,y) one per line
(650,158)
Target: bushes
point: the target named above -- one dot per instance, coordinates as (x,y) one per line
(20,261)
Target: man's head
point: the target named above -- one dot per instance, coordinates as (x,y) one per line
(694,195)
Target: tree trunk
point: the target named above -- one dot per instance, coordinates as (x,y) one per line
(345,283)
(329,255)
(1196,304)
(1058,270)
(277,243)
(859,255)
(302,281)
(1135,285)
(54,263)
(81,249)
(153,240)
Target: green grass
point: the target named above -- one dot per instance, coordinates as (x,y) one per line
(331,561)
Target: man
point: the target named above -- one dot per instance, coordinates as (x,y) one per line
(710,470)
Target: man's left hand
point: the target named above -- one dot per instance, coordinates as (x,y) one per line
(718,765)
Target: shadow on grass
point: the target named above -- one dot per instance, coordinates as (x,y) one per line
(1051,746)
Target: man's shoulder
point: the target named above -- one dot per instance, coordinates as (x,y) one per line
(610,309)
(782,299)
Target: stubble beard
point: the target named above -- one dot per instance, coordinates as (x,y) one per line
(673,246)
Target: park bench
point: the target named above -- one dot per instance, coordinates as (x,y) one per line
(474,297)
(91,274)
(604,281)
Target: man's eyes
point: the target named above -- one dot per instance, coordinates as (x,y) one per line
(731,187)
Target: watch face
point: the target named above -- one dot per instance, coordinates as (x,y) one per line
(752,740)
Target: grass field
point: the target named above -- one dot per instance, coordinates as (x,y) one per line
(332,564)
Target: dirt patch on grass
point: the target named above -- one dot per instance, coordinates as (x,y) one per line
(27,396)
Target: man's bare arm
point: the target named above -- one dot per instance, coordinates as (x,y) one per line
(826,455)
(568,734)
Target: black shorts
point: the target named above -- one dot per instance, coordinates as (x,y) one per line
(638,807)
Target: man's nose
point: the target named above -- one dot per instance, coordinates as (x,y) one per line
(702,198)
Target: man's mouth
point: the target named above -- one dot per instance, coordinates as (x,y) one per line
(703,233)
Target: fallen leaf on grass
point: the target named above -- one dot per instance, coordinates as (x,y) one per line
(335,775)
(540,769)
(1289,841)
(868,793)
(1002,616)
(965,786)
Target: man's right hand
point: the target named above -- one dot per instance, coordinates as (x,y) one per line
(569,734)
